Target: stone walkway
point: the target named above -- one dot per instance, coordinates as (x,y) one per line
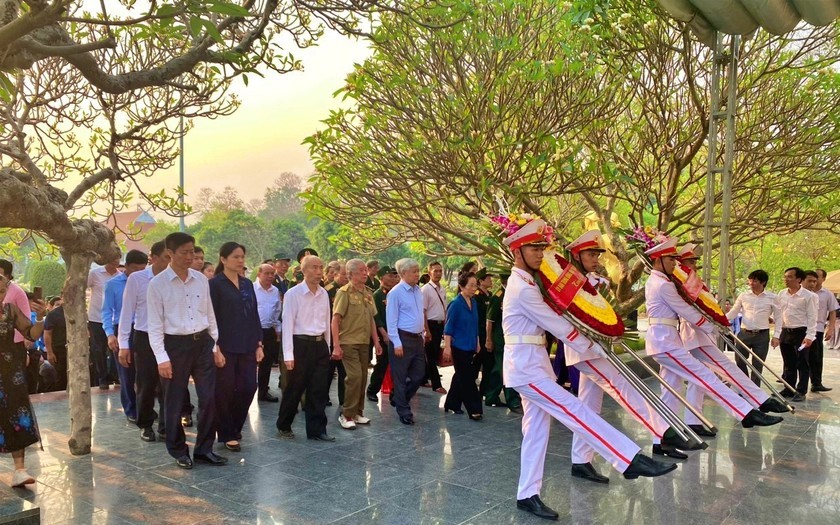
(446,469)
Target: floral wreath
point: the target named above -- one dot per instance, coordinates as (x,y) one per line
(643,238)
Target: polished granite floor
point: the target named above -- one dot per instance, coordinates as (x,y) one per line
(446,469)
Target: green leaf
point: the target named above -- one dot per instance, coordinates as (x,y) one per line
(228,9)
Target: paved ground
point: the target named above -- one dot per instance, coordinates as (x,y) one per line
(446,469)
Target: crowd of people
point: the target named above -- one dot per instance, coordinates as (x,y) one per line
(160,319)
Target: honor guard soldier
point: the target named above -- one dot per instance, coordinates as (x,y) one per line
(665,307)
(526,318)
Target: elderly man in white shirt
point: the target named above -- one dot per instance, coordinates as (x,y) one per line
(799,328)
(826,319)
(757,307)
(183,335)
(133,337)
(269,305)
(306,352)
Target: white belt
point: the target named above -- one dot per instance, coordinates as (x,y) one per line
(664,320)
(525,340)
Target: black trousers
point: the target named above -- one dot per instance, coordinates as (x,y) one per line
(60,367)
(309,376)
(484,362)
(147,382)
(271,351)
(433,353)
(759,343)
(99,351)
(378,374)
(408,371)
(463,389)
(795,360)
(815,361)
(190,357)
(236,384)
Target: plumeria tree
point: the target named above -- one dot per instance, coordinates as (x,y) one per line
(580,109)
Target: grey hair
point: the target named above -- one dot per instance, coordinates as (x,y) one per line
(356,265)
(406,264)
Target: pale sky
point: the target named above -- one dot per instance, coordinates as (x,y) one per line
(263,138)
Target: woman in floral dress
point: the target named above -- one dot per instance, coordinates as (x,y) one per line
(17,421)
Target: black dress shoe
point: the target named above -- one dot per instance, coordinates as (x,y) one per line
(495,404)
(516,410)
(210,458)
(798,397)
(475,417)
(820,388)
(407,420)
(184,462)
(268,397)
(323,437)
(453,410)
(701,431)
(774,405)
(373,397)
(535,506)
(147,435)
(666,450)
(286,434)
(647,467)
(787,393)
(587,471)
(187,420)
(132,420)
(760,419)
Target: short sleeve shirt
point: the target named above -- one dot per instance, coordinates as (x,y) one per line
(356,310)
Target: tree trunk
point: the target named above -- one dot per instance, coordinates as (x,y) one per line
(78,351)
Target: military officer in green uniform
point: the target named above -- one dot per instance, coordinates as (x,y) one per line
(495,343)
(484,360)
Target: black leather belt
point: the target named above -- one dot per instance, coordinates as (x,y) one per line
(403,333)
(311,338)
(434,321)
(755,331)
(198,336)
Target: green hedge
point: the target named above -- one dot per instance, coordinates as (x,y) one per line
(49,275)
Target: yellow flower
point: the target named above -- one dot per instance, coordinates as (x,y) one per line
(596,306)
(521,222)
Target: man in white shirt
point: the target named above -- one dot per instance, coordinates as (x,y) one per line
(97,277)
(306,352)
(133,338)
(826,319)
(183,334)
(269,305)
(757,307)
(799,328)
(434,306)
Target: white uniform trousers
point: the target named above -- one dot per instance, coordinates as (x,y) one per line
(546,399)
(678,365)
(728,371)
(599,376)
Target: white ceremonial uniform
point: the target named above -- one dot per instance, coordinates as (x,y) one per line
(599,375)
(528,370)
(702,346)
(664,307)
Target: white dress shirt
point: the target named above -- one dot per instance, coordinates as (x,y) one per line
(177,307)
(97,277)
(524,312)
(757,310)
(269,306)
(827,304)
(434,299)
(664,302)
(134,309)
(304,313)
(799,310)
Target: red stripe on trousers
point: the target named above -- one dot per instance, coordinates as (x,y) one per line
(728,375)
(624,401)
(581,423)
(709,388)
